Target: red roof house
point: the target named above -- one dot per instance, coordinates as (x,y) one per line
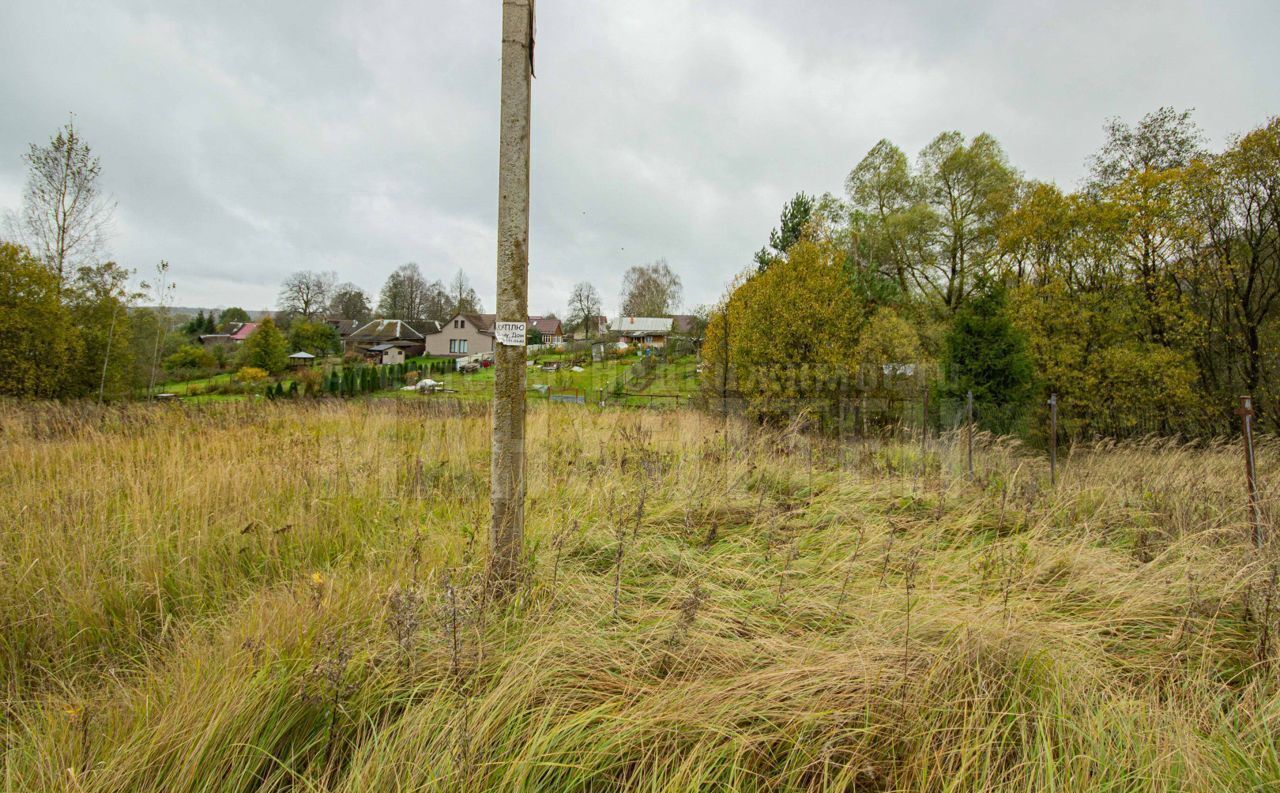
(241,333)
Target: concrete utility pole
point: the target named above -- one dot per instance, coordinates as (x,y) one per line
(507,485)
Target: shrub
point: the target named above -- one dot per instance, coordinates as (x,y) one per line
(308,380)
(231,386)
(250,375)
(190,357)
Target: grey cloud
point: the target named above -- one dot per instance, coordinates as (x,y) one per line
(244,140)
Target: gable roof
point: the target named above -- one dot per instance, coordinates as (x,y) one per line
(547,326)
(481,322)
(597,325)
(385,330)
(343,326)
(630,326)
(241,333)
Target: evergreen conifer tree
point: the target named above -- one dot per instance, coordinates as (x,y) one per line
(986,354)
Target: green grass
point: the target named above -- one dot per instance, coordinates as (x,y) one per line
(594,377)
(187,386)
(671,384)
(254,597)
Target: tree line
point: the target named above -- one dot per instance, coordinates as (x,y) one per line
(307,298)
(407,294)
(1149,291)
(652,290)
(76,324)
(65,314)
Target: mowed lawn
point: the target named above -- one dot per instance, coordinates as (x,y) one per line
(270,597)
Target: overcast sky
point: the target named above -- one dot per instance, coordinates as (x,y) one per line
(246,140)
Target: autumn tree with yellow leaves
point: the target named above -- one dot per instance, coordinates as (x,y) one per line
(1147,300)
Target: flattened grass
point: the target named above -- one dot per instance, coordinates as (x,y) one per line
(213,598)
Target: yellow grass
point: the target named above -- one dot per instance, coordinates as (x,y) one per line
(289,597)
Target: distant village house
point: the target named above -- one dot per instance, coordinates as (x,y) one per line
(386,341)
(642,331)
(236,333)
(549,329)
(596,327)
(468,334)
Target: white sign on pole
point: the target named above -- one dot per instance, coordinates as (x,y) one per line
(512,334)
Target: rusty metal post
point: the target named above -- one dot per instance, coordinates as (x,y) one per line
(1053,439)
(1245,412)
(968,420)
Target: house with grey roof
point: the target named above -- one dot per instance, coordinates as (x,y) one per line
(344,327)
(387,341)
(642,331)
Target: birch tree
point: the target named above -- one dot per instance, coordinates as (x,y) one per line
(65,217)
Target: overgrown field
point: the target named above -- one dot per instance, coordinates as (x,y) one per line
(288,597)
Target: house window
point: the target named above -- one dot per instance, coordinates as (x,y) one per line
(459,323)
(458,346)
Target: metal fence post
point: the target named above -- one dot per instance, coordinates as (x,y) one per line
(840,433)
(968,418)
(1245,412)
(924,433)
(1053,439)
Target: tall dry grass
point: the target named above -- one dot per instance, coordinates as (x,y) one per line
(290,598)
